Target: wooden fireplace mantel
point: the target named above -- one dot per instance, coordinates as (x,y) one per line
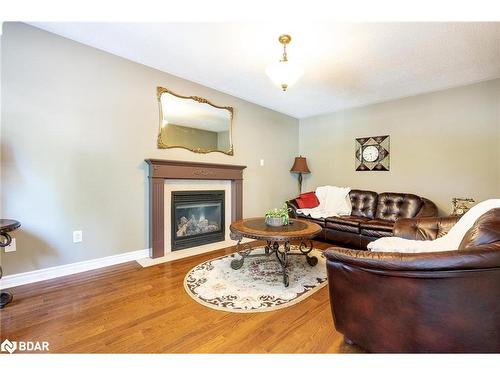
(161,170)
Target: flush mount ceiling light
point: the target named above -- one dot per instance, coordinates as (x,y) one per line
(283,72)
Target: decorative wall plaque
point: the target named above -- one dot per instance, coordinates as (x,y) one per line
(461,205)
(372,153)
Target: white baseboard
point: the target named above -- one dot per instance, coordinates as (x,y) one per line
(69,269)
(193,251)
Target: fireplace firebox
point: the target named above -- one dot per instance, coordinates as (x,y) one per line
(197,218)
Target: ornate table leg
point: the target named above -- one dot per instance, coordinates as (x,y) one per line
(5,297)
(276,246)
(236,264)
(283,260)
(311,260)
(267,248)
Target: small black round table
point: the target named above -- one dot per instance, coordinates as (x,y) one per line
(6,226)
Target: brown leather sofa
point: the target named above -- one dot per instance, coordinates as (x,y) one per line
(443,302)
(373,216)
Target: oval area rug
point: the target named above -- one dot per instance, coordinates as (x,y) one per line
(258,285)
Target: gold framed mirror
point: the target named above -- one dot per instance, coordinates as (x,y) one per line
(194,123)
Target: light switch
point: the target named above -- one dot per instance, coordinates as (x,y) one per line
(77,236)
(261,162)
(11,247)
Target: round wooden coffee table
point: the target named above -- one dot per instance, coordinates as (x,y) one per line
(277,240)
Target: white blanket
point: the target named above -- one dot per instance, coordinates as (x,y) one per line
(449,241)
(333,201)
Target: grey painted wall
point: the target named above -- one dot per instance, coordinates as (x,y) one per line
(77,124)
(443,144)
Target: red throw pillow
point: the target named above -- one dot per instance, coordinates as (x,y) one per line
(307,200)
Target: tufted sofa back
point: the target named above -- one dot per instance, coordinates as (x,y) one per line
(364,203)
(387,206)
(393,206)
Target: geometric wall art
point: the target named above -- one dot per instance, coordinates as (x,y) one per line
(372,153)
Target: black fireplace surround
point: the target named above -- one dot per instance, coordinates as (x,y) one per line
(197,218)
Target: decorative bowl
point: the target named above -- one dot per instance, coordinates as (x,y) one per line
(274,221)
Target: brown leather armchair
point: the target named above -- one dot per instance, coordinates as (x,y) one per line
(442,302)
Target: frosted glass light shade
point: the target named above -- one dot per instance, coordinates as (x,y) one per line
(284,73)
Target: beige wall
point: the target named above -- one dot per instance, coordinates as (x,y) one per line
(444,144)
(77,124)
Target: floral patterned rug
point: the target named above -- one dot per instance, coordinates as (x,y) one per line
(258,285)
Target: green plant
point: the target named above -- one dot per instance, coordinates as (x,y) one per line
(280,212)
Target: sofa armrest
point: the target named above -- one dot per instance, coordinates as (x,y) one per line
(481,257)
(292,204)
(428,209)
(425,228)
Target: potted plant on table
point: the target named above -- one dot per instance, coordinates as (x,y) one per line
(278,217)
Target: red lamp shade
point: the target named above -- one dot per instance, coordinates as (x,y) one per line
(300,165)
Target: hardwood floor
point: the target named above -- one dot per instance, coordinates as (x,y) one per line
(130,309)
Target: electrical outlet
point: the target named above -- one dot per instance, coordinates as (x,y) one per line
(261,162)
(77,236)
(11,247)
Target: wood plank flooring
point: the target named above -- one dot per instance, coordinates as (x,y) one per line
(130,309)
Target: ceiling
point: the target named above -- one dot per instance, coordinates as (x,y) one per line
(346,64)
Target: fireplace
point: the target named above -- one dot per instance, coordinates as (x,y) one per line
(197,218)
(163,170)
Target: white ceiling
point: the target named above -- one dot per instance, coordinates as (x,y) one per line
(346,64)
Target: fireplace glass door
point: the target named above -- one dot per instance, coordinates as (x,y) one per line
(197,218)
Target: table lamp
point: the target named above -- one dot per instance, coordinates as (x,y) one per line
(300,166)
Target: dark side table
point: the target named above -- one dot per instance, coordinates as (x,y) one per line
(6,226)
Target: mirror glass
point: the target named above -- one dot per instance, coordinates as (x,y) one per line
(194,123)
